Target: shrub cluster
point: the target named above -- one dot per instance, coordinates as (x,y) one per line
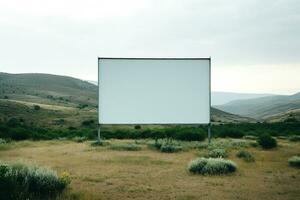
(212,166)
(217,153)
(166,146)
(23,181)
(245,155)
(294,161)
(266,141)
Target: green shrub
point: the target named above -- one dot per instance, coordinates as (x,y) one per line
(36,107)
(294,161)
(166,146)
(217,153)
(230,132)
(295,138)
(212,166)
(245,155)
(24,181)
(169,147)
(190,134)
(266,141)
(125,147)
(137,127)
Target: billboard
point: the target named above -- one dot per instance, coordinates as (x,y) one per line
(154,90)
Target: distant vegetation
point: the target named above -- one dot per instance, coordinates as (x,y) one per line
(18,129)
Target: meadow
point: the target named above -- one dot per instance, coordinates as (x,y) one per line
(135,169)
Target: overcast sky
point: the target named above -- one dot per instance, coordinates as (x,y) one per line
(254,44)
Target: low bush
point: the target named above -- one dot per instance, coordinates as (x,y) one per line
(166,146)
(169,147)
(245,155)
(233,133)
(36,107)
(26,181)
(137,127)
(294,161)
(266,141)
(295,138)
(189,134)
(212,166)
(125,147)
(218,153)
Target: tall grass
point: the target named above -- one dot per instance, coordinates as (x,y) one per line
(125,147)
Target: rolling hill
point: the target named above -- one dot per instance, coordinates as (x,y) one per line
(47,89)
(63,101)
(264,107)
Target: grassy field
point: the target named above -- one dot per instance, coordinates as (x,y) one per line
(106,173)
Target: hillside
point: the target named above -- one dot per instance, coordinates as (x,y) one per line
(219,116)
(264,107)
(47,89)
(220,98)
(289,116)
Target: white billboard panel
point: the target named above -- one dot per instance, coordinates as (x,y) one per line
(154,91)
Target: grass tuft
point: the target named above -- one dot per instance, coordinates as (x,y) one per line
(245,155)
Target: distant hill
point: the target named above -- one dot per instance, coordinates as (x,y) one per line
(220,98)
(264,107)
(47,89)
(219,116)
(63,101)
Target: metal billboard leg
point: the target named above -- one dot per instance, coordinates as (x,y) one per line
(98,140)
(209,133)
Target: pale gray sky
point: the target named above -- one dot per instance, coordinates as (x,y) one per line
(254,44)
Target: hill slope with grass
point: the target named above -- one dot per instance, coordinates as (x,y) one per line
(265,107)
(47,89)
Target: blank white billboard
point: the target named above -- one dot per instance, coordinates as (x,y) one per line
(154,91)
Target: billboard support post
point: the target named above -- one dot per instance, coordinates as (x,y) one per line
(98,139)
(209,133)
(209,124)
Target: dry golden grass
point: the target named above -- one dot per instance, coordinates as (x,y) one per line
(100,173)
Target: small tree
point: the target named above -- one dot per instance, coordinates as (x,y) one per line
(266,141)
